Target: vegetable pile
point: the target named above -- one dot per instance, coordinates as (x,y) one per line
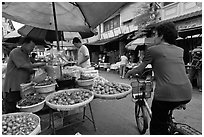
(18,124)
(47,81)
(31,100)
(70,98)
(105,87)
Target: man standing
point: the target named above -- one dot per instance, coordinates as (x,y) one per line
(19,70)
(83,54)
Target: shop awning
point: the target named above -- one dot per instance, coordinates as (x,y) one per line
(190,31)
(105,41)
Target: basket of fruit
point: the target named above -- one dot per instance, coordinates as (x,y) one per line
(110,90)
(46,86)
(69,99)
(22,123)
(85,81)
(31,103)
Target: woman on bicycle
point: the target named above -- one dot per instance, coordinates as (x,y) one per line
(173,87)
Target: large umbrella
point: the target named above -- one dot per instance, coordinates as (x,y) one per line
(139,42)
(50,35)
(71,16)
(40,34)
(65,16)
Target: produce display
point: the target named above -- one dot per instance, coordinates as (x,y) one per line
(19,124)
(31,100)
(69,99)
(84,77)
(103,88)
(47,81)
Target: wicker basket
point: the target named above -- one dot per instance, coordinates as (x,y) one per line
(37,130)
(67,107)
(45,89)
(114,96)
(85,83)
(32,108)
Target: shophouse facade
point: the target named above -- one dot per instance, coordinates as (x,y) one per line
(186,15)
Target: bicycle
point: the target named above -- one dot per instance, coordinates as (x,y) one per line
(141,92)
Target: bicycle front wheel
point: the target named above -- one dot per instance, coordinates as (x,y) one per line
(141,116)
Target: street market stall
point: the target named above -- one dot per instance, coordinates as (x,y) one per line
(43,93)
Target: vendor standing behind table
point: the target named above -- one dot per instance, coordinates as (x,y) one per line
(19,70)
(83,54)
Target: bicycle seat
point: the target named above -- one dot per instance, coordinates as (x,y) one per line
(183,106)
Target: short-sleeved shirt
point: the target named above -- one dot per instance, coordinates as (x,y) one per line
(82,52)
(172,83)
(16,74)
(124,60)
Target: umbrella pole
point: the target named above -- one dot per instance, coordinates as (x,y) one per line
(55,20)
(56,31)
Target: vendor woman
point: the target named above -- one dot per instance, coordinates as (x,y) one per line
(19,70)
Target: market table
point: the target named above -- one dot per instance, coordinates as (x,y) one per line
(64,112)
(52,120)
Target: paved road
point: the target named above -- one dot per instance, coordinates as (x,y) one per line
(116,117)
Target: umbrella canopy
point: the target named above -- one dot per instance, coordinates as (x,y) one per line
(139,42)
(40,34)
(71,16)
(82,35)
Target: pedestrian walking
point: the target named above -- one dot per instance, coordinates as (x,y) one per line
(123,64)
(173,87)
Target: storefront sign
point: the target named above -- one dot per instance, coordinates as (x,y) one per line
(191,23)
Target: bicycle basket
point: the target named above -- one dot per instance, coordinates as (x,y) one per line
(141,89)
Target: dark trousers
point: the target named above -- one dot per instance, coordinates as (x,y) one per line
(160,111)
(10,101)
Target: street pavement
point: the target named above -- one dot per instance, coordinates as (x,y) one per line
(116,117)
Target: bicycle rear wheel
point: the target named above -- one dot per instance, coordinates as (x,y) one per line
(141,116)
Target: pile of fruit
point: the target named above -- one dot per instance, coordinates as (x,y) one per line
(18,124)
(85,77)
(102,86)
(47,81)
(70,98)
(31,100)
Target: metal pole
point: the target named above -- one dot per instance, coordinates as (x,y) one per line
(56,31)
(55,20)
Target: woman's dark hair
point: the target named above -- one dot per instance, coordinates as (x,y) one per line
(76,40)
(169,32)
